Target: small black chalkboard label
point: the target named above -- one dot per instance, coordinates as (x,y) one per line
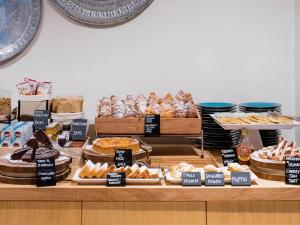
(229,156)
(214,179)
(123,157)
(240,179)
(292,170)
(191,179)
(116,179)
(78,129)
(152,125)
(41,119)
(45,172)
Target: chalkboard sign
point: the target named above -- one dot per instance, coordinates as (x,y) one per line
(292,170)
(45,172)
(152,125)
(116,179)
(229,156)
(41,119)
(78,130)
(123,157)
(240,179)
(214,179)
(191,179)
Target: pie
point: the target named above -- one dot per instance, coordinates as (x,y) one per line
(109,145)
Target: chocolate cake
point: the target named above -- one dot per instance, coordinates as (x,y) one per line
(43,138)
(17,155)
(33,143)
(46,153)
(28,156)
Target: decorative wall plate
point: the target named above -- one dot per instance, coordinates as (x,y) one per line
(102,12)
(19,22)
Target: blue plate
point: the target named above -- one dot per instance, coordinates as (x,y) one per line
(260,105)
(216,105)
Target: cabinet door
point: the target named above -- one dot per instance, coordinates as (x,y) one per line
(144,213)
(253,213)
(40,213)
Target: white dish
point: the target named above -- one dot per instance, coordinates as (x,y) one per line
(227,180)
(102,181)
(66,116)
(255,156)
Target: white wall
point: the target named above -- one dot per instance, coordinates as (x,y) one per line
(219,50)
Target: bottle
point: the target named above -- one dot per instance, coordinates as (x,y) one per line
(244,148)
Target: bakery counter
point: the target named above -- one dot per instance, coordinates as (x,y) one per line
(67,191)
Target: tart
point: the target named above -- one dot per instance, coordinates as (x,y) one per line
(109,145)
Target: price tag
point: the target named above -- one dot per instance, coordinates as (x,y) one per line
(240,179)
(191,179)
(41,119)
(214,179)
(292,170)
(45,172)
(116,179)
(78,129)
(152,125)
(123,157)
(229,156)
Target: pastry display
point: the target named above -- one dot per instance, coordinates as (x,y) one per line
(180,106)
(252,118)
(280,151)
(109,145)
(72,104)
(39,147)
(32,87)
(98,170)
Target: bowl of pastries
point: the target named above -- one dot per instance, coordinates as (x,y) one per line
(92,173)
(174,173)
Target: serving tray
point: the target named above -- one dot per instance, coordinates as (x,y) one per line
(102,181)
(19,22)
(102,13)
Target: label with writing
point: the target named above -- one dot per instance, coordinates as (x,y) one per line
(152,125)
(240,179)
(45,172)
(292,170)
(78,129)
(41,119)
(229,156)
(116,179)
(123,157)
(214,179)
(191,179)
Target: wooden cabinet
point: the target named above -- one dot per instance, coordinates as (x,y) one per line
(144,213)
(40,213)
(253,212)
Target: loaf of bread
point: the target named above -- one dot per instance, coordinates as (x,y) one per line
(67,104)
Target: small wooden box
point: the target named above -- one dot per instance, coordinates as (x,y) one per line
(135,126)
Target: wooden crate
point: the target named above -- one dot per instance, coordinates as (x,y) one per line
(135,126)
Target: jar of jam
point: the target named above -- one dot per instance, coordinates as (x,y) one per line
(244,148)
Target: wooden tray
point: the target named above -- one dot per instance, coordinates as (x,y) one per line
(89,154)
(28,169)
(168,126)
(276,175)
(32,180)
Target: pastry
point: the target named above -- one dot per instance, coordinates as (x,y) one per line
(17,155)
(109,145)
(210,168)
(234,167)
(102,171)
(86,169)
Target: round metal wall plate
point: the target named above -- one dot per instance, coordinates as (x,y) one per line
(19,22)
(102,12)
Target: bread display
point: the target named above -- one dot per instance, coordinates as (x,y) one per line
(91,170)
(252,118)
(280,151)
(72,104)
(180,106)
(109,145)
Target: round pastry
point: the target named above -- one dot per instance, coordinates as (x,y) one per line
(210,168)
(109,145)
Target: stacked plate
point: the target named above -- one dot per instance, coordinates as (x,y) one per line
(269,137)
(214,136)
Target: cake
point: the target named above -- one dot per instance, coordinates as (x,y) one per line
(67,104)
(109,145)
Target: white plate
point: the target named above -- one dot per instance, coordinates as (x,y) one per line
(173,180)
(102,181)
(254,126)
(255,157)
(67,116)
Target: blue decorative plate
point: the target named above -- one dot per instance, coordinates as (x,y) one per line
(260,105)
(216,105)
(19,22)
